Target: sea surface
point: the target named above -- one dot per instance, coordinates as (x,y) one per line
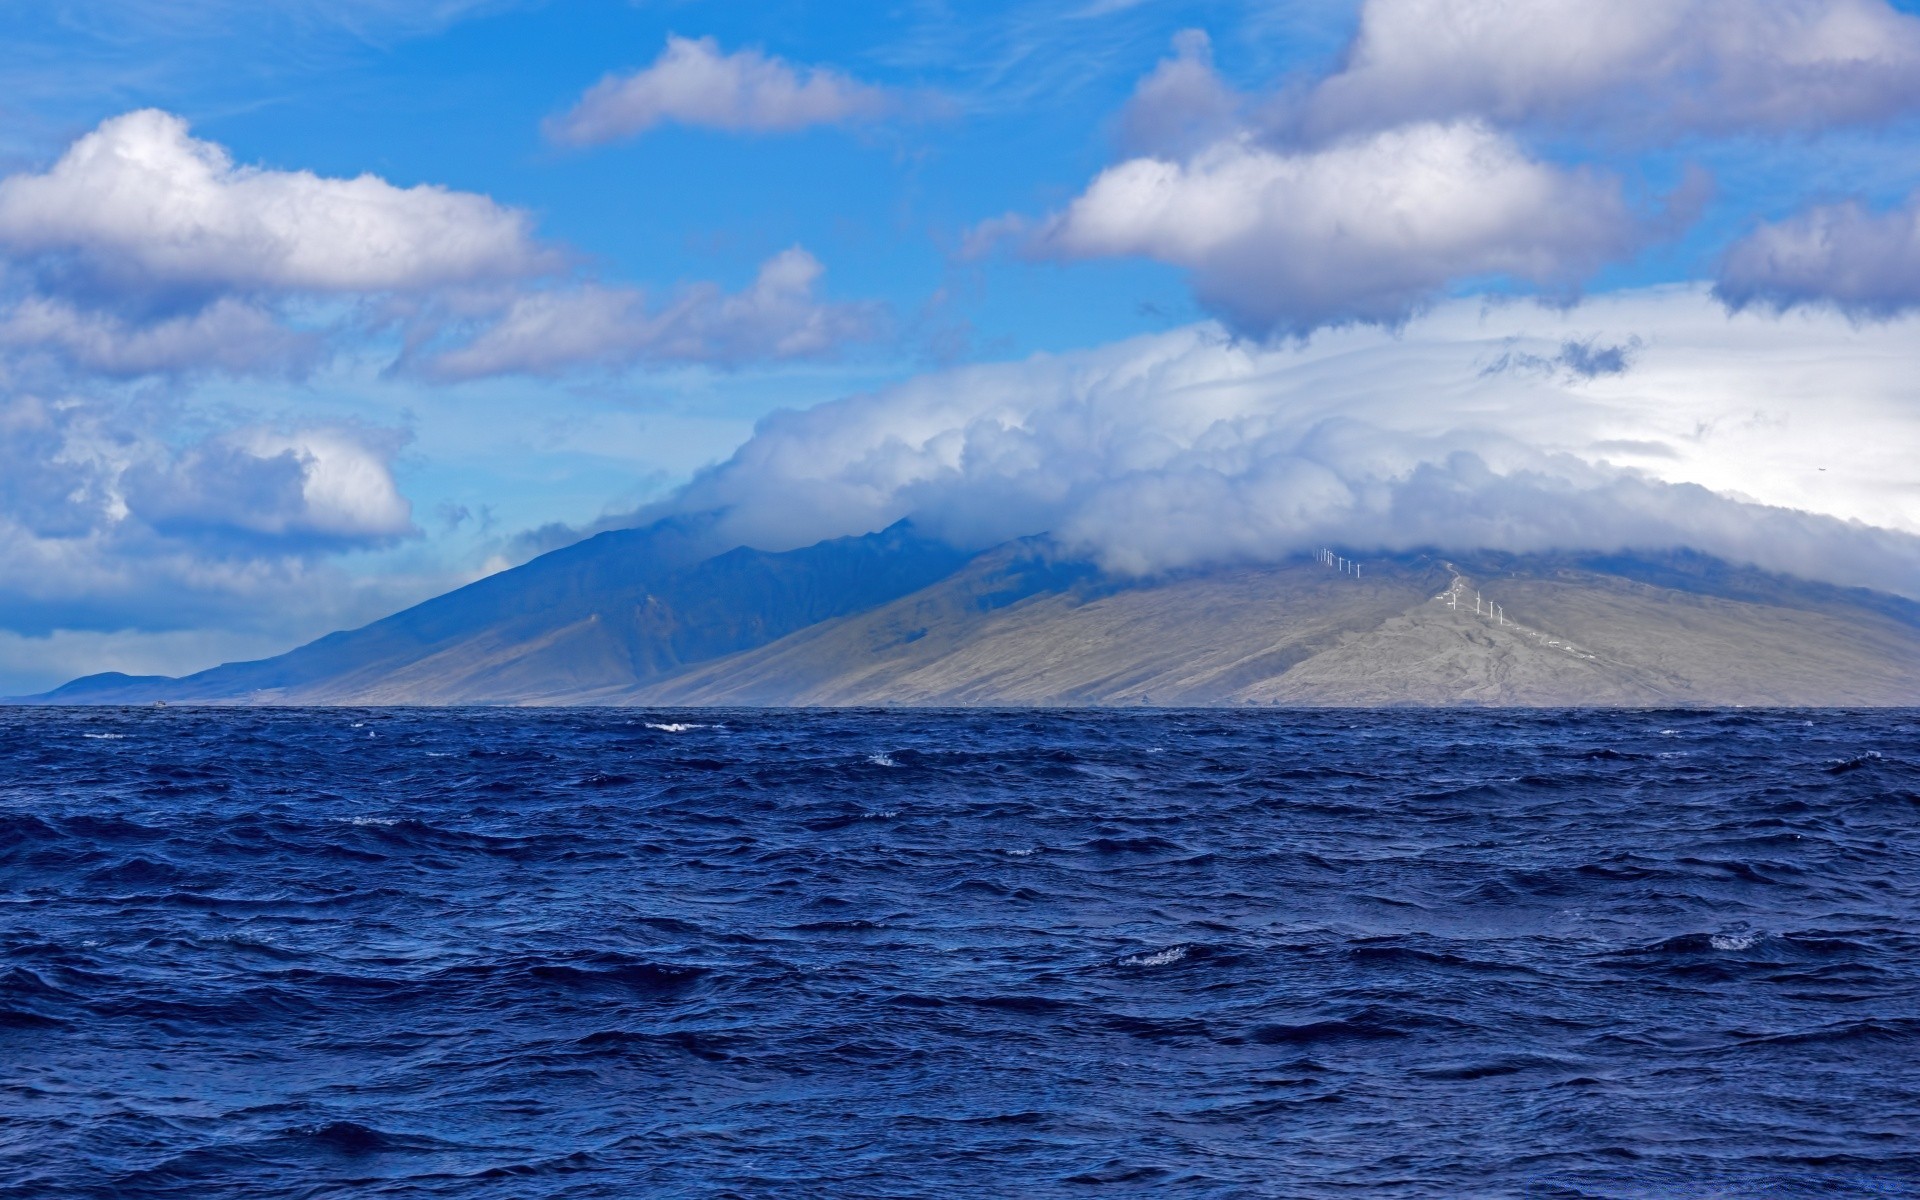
(608,953)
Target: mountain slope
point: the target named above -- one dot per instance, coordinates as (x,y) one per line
(656,616)
(1017,628)
(593,618)
(1301,634)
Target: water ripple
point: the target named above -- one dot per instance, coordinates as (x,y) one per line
(600,953)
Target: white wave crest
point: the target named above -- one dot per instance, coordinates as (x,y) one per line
(1159,958)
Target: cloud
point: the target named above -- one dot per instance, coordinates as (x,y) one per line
(1406,173)
(78,469)
(1657,66)
(140,204)
(1844,256)
(1190,448)
(1284,241)
(779,316)
(104,524)
(49,487)
(145,251)
(693,83)
(228,335)
(311,489)
(1183,105)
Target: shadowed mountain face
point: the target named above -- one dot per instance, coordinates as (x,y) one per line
(655,616)
(575,625)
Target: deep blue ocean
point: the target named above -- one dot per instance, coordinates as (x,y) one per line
(614,953)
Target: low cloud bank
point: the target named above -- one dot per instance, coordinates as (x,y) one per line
(1645,421)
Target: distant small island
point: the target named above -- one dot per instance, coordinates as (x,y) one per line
(662,615)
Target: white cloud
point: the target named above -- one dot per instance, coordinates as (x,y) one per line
(141,204)
(1189,448)
(693,83)
(347,489)
(105,527)
(1663,66)
(1367,229)
(145,251)
(779,316)
(1363,195)
(279,492)
(229,335)
(91,482)
(1864,263)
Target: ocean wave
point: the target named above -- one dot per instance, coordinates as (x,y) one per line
(504,953)
(1157,958)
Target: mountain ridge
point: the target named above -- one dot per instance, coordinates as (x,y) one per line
(668,616)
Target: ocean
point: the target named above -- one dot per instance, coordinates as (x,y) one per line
(620,953)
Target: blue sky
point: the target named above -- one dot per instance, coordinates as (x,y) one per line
(226,432)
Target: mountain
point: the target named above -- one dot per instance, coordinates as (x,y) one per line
(1685,631)
(577,625)
(658,617)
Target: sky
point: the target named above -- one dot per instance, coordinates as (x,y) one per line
(310,311)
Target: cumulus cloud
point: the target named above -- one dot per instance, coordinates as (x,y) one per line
(144,251)
(779,316)
(694,83)
(121,549)
(1863,263)
(1190,448)
(80,469)
(112,533)
(139,203)
(1661,66)
(310,489)
(1407,172)
(1284,241)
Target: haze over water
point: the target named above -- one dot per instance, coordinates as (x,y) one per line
(614,953)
